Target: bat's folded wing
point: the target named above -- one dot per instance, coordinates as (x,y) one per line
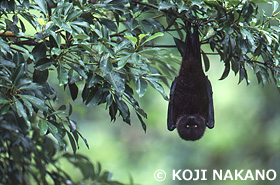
(210,121)
(171,125)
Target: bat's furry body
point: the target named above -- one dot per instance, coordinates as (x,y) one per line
(191,105)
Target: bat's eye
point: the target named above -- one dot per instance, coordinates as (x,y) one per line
(195,126)
(187,126)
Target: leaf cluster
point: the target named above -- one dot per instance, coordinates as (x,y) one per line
(88,52)
(237,31)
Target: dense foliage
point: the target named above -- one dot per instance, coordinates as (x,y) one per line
(104,51)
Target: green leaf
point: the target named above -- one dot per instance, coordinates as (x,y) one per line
(48,26)
(76,137)
(62,107)
(40,76)
(182,7)
(57,132)
(247,35)
(72,125)
(109,100)
(73,91)
(122,46)
(210,32)
(31,86)
(70,110)
(124,110)
(243,74)
(258,50)
(133,39)
(94,96)
(85,141)
(106,66)
(141,86)
(86,47)
(153,82)
(275,5)
(268,37)
(41,21)
(141,112)
(159,34)
(142,122)
(22,49)
(80,24)
(78,69)
(20,71)
(146,26)
(278,80)
(73,15)
(40,104)
(29,18)
(39,51)
(56,37)
(3,100)
(4,109)
(42,5)
(28,106)
(12,26)
(52,128)
(123,60)
(234,66)
(66,27)
(165,6)
(21,110)
(43,126)
(276,28)
(62,74)
(141,36)
(7,62)
(81,36)
(113,111)
(226,71)
(24,82)
(26,4)
(93,80)
(72,142)
(18,58)
(44,63)
(109,24)
(117,82)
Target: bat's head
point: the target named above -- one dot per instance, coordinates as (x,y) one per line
(191,127)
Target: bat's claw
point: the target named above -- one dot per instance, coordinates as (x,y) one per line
(171,128)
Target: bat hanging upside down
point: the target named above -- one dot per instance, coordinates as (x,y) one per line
(190,107)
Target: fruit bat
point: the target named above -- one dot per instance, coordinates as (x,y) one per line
(190,107)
